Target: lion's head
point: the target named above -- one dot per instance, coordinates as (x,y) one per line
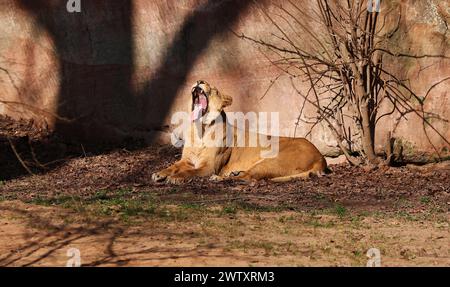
(207,102)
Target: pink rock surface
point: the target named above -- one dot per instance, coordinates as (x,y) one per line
(122,68)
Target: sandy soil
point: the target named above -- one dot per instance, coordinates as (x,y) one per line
(41,236)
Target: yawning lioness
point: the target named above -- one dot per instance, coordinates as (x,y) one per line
(296,158)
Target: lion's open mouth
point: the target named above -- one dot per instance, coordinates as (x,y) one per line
(199,103)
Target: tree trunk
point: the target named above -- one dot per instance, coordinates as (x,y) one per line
(367,134)
(367,126)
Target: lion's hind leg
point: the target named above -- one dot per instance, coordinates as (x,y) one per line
(259,170)
(302,175)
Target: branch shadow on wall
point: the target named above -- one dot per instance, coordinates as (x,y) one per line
(194,37)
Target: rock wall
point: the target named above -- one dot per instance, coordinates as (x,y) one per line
(121,68)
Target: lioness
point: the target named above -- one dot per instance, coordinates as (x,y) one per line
(297,157)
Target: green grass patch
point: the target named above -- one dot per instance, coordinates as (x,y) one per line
(229,210)
(340,210)
(406,215)
(64,201)
(252,207)
(425,199)
(129,206)
(193,206)
(316,221)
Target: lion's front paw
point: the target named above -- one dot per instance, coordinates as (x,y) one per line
(216,178)
(177,180)
(159,177)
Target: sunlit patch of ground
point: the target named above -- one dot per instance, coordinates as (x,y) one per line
(174,235)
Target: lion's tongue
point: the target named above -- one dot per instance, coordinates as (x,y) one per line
(196,113)
(200,105)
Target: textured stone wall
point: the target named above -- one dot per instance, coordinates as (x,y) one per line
(121,68)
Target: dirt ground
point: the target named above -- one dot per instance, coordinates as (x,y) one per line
(101,201)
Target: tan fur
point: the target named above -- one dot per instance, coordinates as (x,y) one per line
(297,158)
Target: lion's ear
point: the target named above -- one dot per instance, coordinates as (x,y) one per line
(226,101)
